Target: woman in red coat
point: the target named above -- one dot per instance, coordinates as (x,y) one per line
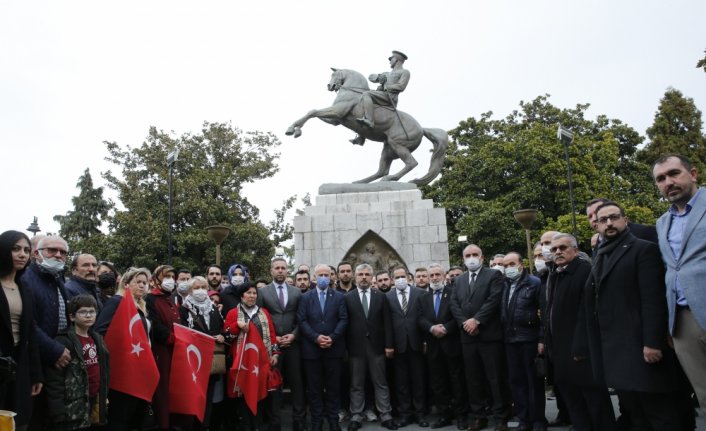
(237,325)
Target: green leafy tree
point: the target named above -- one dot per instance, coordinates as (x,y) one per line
(494,167)
(208,177)
(677,128)
(701,64)
(81,226)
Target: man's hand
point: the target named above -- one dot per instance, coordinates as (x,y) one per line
(285,340)
(471,326)
(438,330)
(220,338)
(324,341)
(382,78)
(273,361)
(540,349)
(36,389)
(389,353)
(63,360)
(651,355)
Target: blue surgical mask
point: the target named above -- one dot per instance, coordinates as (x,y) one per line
(52,264)
(322,282)
(512,272)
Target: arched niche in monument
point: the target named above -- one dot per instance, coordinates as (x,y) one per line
(372,249)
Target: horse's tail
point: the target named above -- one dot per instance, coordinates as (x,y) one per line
(440,139)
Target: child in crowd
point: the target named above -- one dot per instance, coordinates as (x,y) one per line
(78,393)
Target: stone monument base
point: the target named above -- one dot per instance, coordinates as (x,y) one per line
(383,228)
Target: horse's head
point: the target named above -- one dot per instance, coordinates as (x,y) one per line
(336,81)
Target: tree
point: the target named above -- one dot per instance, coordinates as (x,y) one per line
(677,128)
(81,226)
(494,167)
(701,64)
(208,178)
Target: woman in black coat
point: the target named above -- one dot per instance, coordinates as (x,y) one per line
(16,333)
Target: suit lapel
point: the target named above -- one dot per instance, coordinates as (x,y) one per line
(665,222)
(695,216)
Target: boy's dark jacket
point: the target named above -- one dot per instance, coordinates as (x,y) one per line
(67,389)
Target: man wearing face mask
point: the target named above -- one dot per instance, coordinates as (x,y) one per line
(83,278)
(475,304)
(182,286)
(497,263)
(520,316)
(44,278)
(443,353)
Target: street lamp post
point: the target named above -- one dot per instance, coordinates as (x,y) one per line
(218,233)
(34,227)
(567,137)
(171,161)
(525,218)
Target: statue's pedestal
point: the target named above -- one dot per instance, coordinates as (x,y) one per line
(383,228)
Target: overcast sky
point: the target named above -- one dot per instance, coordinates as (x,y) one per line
(76,73)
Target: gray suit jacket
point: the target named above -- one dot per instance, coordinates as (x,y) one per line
(691,265)
(285,321)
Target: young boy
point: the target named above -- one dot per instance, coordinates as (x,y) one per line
(78,393)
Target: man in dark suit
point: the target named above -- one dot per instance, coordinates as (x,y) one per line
(443,354)
(408,360)
(281,301)
(625,293)
(475,305)
(369,339)
(323,318)
(566,339)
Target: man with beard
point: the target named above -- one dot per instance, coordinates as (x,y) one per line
(214,275)
(383,280)
(421,278)
(452,273)
(83,278)
(345,277)
(301,280)
(625,294)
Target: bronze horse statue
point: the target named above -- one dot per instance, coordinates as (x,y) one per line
(400,133)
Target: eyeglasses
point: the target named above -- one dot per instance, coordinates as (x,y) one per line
(612,217)
(562,247)
(86,313)
(54,250)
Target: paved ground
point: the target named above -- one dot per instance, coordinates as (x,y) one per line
(551,414)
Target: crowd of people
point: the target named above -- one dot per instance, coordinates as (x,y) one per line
(436,347)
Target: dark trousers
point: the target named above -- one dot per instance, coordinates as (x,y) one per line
(290,364)
(485,366)
(448,384)
(527,389)
(589,407)
(125,412)
(409,369)
(323,378)
(652,411)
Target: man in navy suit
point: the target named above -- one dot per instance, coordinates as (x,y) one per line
(475,304)
(682,241)
(323,319)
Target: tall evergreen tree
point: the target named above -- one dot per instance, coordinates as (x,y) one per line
(677,128)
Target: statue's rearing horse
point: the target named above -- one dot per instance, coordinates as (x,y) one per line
(400,133)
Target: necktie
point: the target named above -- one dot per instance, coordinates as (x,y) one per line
(322,299)
(365,303)
(281,296)
(437,301)
(404,301)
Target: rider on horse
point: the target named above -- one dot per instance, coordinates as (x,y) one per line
(391,84)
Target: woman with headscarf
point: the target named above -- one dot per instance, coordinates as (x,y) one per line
(238,275)
(20,369)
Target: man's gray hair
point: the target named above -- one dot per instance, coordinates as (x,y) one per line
(363,266)
(322,265)
(44,240)
(572,239)
(436,265)
(498,256)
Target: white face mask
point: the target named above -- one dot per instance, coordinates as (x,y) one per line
(237,280)
(199,295)
(401,283)
(513,273)
(168,284)
(472,263)
(52,264)
(499,268)
(546,252)
(540,264)
(436,286)
(183,287)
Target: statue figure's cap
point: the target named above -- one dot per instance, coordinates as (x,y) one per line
(399,54)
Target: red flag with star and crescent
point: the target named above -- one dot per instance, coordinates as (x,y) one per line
(191,369)
(251,367)
(133,370)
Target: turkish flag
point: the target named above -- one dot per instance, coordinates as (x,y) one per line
(133,370)
(251,366)
(191,369)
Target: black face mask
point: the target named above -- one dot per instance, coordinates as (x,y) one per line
(106,280)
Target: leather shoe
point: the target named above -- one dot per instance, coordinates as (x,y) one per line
(441,423)
(389,424)
(478,424)
(354,425)
(422,422)
(403,422)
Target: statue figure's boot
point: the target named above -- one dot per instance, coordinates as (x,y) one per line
(358,140)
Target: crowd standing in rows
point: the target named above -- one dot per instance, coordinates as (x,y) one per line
(355,345)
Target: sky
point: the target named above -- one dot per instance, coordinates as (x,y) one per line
(74,74)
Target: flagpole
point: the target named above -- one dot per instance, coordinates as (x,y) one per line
(242,344)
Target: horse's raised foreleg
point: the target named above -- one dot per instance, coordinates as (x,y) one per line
(335,112)
(406,156)
(386,159)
